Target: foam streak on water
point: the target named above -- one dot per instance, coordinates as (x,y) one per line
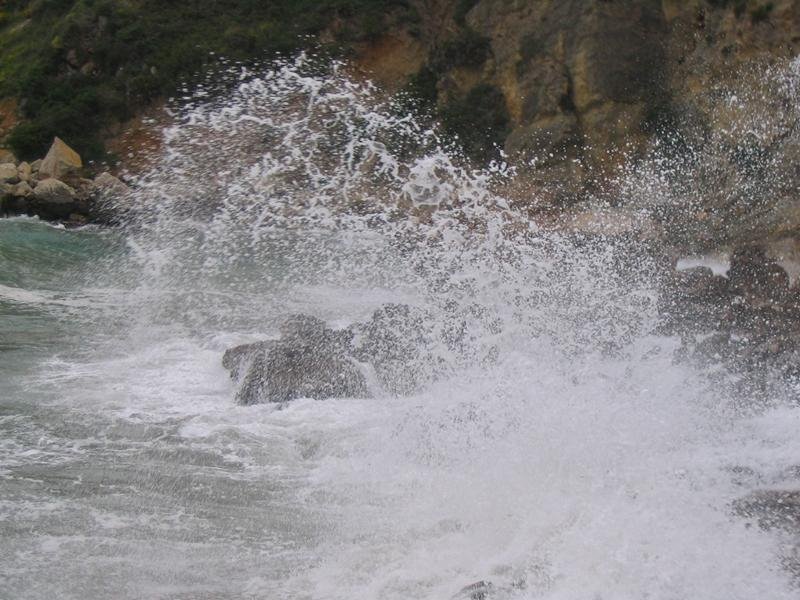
(562,453)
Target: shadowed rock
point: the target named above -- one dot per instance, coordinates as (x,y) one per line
(53,199)
(772,509)
(110,200)
(397,341)
(694,300)
(480,590)
(755,276)
(308,361)
(406,347)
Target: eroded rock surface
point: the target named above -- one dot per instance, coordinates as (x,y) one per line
(309,360)
(748,321)
(406,348)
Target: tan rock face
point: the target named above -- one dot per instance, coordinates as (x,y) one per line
(392,59)
(24,170)
(6,156)
(570,60)
(61,160)
(8,173)
(596,88)
(22,190)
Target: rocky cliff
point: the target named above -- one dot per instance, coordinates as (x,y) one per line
(598,94)
(687,108)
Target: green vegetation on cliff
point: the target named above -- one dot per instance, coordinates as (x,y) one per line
(79,65)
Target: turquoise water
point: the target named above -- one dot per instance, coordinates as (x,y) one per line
(99,495)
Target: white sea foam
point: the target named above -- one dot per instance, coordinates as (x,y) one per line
(564,453)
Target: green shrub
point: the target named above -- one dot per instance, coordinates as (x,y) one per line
(739,6)
(761,12)
(125,40)
(462,8)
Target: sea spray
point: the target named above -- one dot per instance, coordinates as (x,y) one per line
(561,453)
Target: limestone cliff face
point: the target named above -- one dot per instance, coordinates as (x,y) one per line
(588,85)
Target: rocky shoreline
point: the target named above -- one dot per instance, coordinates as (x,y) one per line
(744,318)
(747,320)
(54,188)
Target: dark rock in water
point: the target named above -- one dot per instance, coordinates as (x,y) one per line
(53,199)
(308,361)
(480,590)
(776,509)
(694,300)
(12,203)
(753,275)
(237,358)
(397,341)
(405,346)
(772,509)
(311,333)
(286,372)
(110,200)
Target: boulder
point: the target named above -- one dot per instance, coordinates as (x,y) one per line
(398,342)
(24,171)
(308,361)
(8,173)
(286,372)
(238,358)
(6,156)
(13,205)
(35,165)
(694,300)
(61,160)
(480,590)
(772,509)
(22,190)
(53,199)
(108,197)
(106,181)
(754,275)
(406,348)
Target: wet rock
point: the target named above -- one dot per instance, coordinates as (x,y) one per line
(480,590)
(694,300)
(755,276)
(76,220)
(772,509)
(106,181)
(8,173)
(405,347)
(308,361)
(16,206)
(108,199)
(397,341)
(286,372)
(61,160)
(22,190)
(53,199)
(6,156)
(238,358)
(24,171)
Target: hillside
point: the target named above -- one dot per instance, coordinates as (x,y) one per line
(77,66)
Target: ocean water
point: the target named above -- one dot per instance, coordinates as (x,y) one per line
(562,451)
